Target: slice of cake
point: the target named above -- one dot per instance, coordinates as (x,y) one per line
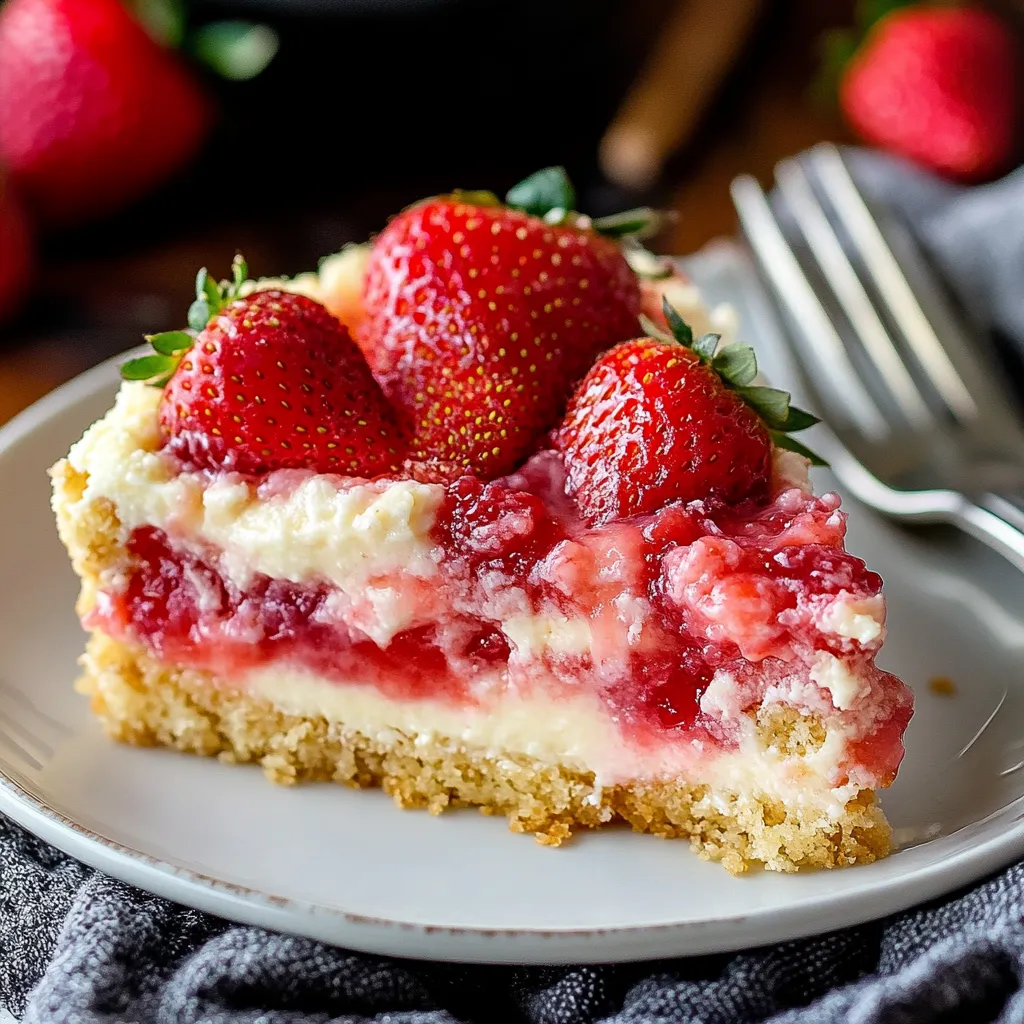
(430,559)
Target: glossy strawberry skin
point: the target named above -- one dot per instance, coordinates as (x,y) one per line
(93,113)
(17,260)
(940,86)
(651,424)
(275,382)
(480,319)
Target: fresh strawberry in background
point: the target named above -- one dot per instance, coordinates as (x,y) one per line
(940,85)
(480,316)
(662,419)
(265,382)
(94,113)
(16,252)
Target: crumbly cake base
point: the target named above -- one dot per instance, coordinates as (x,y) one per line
(143,702)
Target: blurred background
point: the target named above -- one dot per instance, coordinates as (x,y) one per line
(286,128)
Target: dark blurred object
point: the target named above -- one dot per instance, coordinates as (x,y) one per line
(341,8)
(17,258)
(442,95)
(696,48)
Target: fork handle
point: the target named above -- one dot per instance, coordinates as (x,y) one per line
(997,519)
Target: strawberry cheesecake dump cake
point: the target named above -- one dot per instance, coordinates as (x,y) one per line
(473,515)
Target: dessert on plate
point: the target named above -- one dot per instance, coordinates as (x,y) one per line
(443,517)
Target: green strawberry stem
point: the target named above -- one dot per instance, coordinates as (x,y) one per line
(791,444)
(549,194)
(642,222)
(736,365)
(542,192)
(155,370)
(170,346)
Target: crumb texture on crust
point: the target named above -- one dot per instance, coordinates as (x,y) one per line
(90,530)
(145,703)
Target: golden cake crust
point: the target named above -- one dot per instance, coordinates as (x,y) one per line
(143,702)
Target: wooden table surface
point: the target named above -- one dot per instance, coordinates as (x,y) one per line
(101,289)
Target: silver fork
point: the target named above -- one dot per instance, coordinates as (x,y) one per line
(917,423)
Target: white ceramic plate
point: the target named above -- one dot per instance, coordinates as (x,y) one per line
(350,868)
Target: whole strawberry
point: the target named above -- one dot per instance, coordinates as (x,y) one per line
(93,113)
(270,381)
(481,316)
(659,420)
(940,85)
(16,252)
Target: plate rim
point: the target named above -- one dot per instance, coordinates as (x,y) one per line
(470,944)
(516,945)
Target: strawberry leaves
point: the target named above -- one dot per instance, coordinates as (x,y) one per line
(736,364)
(549,194)
(170,346)
(170,343)
(870,12)
(212,297)
(643,222)
(474,197)
(156,370)
(236,50)
(681,330)
(782,440)
(781,418)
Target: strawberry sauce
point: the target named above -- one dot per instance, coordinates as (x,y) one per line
(665,604)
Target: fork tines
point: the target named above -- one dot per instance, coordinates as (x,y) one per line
(881,363)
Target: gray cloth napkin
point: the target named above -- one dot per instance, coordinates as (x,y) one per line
(975,236)
(77,947)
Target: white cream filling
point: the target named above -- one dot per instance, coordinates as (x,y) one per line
(574,731)
(318,531)
(790,470)
(861,619)
(834,675)
(723,699)
(313,530)
(532,635)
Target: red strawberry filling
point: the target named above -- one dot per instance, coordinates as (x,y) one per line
(666,603)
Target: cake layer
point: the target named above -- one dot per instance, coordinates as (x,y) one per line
(143,702)
(293,525)
(664,639)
